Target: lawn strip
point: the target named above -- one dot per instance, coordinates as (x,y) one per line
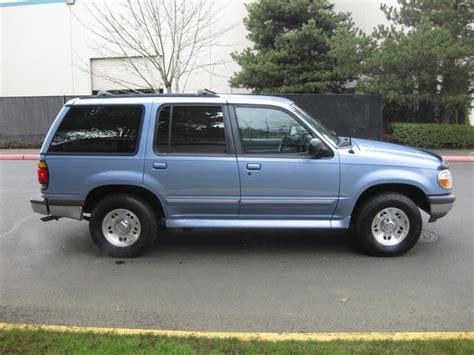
(16,341)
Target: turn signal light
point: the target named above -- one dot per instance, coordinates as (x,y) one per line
(43,174)
(445,180)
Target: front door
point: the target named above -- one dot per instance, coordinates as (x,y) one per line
(279,178)
(191,163)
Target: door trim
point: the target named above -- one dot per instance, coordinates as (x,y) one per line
(246,223)
(199,201)
(245,201)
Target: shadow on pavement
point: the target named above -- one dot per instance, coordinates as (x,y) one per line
(254,241)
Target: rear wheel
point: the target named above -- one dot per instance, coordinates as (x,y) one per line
(388,224)
(123,226)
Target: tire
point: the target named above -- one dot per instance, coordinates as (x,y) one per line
(388,224)
(123,225)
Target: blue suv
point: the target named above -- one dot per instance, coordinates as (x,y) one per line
(131,164)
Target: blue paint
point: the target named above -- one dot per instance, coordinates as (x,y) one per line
(263,188)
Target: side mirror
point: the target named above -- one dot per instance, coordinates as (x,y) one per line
(318,149)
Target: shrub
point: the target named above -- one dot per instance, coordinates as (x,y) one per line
(432,135)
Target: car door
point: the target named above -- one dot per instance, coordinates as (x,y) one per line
(190,160)
(279,178)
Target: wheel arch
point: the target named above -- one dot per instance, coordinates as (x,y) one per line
(99,192)
(412,192)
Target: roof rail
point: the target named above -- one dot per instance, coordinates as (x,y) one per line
(206,92)
(104,93)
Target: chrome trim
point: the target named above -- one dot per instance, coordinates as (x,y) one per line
(200,201)
(286,202)
(246,223)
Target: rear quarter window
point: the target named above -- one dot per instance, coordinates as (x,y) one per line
(99,129)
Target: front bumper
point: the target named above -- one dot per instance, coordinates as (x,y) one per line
(440,205)
(57,208)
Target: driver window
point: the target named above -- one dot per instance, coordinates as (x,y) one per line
(271,131)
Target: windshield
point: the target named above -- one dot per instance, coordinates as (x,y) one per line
(326,132)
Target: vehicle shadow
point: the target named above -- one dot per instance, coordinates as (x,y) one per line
(257,241)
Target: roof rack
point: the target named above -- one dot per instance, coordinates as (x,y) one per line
(206,92)
(104,94)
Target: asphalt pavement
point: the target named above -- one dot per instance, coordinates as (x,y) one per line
(218,280)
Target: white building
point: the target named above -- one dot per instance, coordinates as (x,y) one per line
(45,48)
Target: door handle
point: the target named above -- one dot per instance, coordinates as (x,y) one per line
(157,165)
(254,166)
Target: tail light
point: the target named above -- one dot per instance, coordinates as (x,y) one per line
(43,174)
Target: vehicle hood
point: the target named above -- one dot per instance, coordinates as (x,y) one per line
(395,153)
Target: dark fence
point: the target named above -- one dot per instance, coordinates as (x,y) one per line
(29,118)
(347,115)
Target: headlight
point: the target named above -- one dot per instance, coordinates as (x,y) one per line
(445,180)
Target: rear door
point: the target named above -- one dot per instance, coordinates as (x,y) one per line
(190,160)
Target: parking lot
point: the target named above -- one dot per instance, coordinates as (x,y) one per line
(254,280)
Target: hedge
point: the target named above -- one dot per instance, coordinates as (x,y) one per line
(432,135)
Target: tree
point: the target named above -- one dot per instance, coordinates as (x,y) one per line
(168,37)
(292,41)
(423,63)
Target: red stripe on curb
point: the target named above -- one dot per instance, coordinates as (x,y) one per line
(30,157)
(448,158)
(458,158)
(19,157)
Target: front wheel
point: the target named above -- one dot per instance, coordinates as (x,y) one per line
(123,226)
(388,224)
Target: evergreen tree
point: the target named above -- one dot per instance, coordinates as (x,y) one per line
(423,63)
(292,47)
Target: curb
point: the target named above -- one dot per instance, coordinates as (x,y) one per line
(458,158)
(447,158)
(19,156)
(244,336)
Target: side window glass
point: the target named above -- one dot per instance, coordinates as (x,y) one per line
(194,130)
(98,129)
(271,131)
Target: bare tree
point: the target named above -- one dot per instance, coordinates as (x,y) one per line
(171,38)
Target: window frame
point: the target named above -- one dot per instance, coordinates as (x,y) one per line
(227,130)
(238,139)
(137,146)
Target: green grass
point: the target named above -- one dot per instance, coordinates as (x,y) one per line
(47,342)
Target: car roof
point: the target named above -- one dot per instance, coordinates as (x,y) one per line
(141,99)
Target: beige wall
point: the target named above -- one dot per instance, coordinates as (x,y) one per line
(46,50)
(1,54)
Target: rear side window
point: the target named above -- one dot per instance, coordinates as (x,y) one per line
(98,129)
(191,130)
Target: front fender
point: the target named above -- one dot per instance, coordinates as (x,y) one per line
(356,179)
